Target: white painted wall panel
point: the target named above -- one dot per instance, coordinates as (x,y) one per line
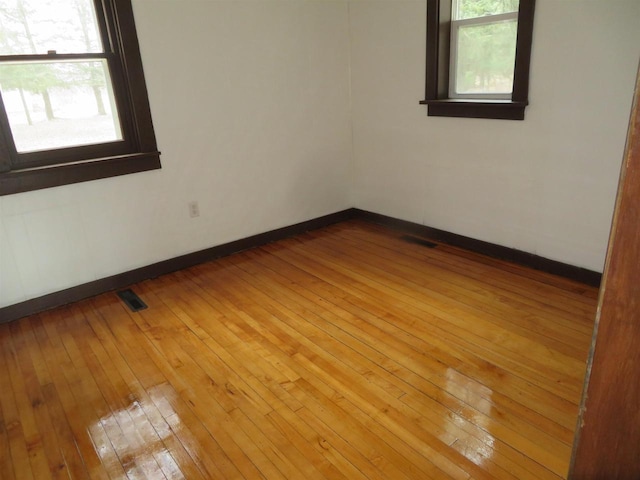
(250,102)
(546,185)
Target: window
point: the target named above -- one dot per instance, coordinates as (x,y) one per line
(478,55)
(73,102)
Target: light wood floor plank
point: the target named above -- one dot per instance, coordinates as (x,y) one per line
(428,338)
(390,382)
(238,341)
(87,435)
(569,296)
(501,304)
(6,466)
(277,393)
(25,410)
(28,358)
(483,325)
(145,355)
(343,353)
(67,459)
(18,456)
(404,299)
(412,351)
(123,380)
(275,336)
(374,374)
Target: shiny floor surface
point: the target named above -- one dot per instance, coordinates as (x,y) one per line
(344,353)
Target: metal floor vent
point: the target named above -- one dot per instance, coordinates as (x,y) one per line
(418,241)
(132,300)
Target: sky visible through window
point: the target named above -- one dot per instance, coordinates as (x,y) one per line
(479,8)
(55,103)
(485,48)
(37,26)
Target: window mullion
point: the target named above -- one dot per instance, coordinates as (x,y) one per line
(102,17)
(7,146)
(486,19)
(453,58)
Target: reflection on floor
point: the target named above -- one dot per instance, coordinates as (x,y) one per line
(344,353)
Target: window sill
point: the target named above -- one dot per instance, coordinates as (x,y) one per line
(496,109)
(17,181)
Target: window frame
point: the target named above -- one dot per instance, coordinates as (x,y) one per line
(437,98)
(136,152)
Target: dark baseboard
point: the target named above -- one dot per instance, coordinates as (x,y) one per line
(116,282)
(582,275)
(122,280)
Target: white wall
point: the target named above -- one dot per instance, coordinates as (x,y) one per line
(546,185)
(251,105)
(250,102)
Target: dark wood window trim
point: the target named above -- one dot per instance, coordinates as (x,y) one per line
(138,152)
(437,63)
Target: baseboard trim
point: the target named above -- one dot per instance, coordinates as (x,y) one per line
(582,275)
(122,280)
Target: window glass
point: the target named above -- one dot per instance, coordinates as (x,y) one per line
(485,58)
(463,9)
(38,26)
(59,104)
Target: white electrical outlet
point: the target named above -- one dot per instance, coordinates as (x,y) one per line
(194,209)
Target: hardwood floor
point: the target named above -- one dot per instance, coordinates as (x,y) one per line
(344,353)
